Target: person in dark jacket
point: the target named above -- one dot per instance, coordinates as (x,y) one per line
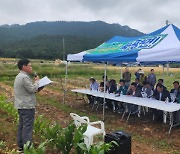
(161,81)
(101,85)
(112,88)
(135,92)
(161,94)
(175,90)
(138,84)
(122,88)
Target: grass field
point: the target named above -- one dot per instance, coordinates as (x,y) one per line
(147,136)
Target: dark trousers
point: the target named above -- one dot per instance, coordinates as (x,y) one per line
(158,115)
(25,127)
(91,99)
(176,116)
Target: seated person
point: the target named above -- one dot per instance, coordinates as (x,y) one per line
(161,94)
(161,81)
(112,86)
(135,92)
(122,88)
(101,85)
(138,84)
(175,90)
(101,88)
(93,86)
(147,90)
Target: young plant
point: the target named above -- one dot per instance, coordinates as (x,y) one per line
(40,125)
(32,150)
(51,133)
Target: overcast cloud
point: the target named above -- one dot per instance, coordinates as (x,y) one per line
(143,15)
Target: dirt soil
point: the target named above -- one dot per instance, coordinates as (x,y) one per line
(147,136)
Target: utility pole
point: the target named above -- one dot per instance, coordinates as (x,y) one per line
(63,50)
(167,22)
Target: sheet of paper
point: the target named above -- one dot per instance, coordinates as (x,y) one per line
(44,81)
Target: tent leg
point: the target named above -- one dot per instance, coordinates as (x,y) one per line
(121,71)
(167,69)
(65,82)
(104,101)
(163,72)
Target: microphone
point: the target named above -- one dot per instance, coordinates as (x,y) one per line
(35,74)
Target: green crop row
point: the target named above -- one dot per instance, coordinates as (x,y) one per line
(66,140)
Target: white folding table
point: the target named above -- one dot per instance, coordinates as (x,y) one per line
(146,102)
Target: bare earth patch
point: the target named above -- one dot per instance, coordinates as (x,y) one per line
(147,136)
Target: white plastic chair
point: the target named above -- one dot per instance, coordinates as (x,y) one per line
(91,130)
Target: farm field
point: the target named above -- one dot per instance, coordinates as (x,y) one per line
(148,136)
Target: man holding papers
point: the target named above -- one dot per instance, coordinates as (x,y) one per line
(25,101)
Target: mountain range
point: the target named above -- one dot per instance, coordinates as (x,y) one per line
(41,39)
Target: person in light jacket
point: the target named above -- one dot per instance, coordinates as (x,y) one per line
(25,102)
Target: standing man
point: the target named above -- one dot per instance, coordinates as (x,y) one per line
(127,77)
(152,78)
(25,101)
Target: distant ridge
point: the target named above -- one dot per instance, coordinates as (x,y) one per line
(91,34)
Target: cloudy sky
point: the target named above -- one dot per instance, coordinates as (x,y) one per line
(143,15)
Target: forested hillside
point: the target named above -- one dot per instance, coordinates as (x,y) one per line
(45,39)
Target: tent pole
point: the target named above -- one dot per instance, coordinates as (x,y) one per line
(167,69)
(65,82)
(104,101)
(163,72)
(121,71)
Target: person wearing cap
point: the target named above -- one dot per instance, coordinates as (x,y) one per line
(142,77)
(137,73)
(93,86)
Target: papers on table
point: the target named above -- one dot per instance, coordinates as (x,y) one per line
(44,81)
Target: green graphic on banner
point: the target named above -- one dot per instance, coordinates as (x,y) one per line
(146,42)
